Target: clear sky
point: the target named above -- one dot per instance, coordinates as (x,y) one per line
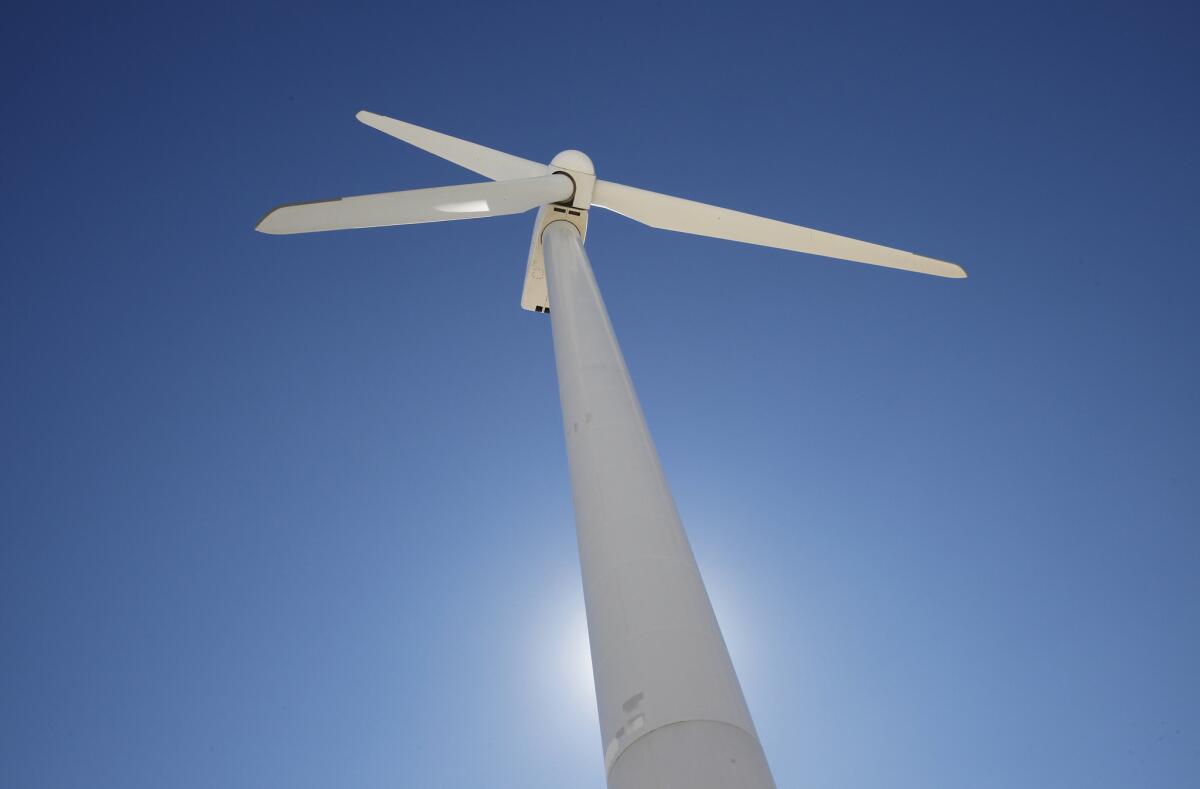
(294,511)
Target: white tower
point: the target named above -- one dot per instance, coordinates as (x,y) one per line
(671,710)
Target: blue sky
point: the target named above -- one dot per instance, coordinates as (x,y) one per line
(295,511)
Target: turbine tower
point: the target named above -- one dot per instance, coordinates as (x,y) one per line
(672,713)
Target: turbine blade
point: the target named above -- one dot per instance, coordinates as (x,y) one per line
(687,216)
(497,165)
(441,204)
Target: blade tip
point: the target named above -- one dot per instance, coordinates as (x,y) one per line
(368,118)
(942,268)
(266,225)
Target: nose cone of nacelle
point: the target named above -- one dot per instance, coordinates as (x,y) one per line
(574,160)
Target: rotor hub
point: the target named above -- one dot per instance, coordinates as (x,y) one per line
(577,161)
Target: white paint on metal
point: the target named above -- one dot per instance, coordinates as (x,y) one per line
(671,710)
(577,166)
(534,295)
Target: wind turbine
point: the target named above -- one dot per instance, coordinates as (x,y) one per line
(672,713)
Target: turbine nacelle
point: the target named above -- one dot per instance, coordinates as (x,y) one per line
(576,165)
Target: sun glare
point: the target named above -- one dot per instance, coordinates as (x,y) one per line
(576,661)
(465,207)
(564,656)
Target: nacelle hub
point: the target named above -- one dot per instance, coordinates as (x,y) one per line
(574,160)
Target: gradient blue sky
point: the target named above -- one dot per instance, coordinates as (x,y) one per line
(295,511)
